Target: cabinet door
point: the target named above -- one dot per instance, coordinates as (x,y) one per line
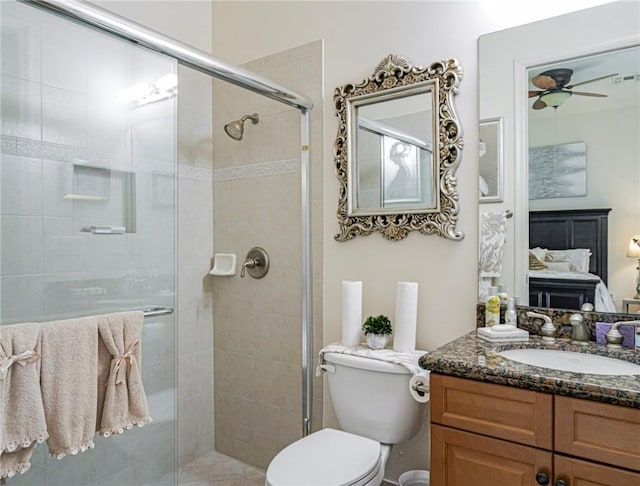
(461,458)
(582,473)
(598,431)
(504,412)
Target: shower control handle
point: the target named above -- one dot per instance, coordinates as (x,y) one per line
(256,263)
(249,263)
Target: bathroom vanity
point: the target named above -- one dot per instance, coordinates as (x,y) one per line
(497,421)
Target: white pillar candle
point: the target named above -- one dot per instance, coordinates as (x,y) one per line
(404,327)
(351,312)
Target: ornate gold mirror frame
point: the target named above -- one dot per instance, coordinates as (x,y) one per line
(395,73)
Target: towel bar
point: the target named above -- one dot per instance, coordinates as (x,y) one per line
(157,311)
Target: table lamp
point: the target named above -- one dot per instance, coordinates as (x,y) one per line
(634,252)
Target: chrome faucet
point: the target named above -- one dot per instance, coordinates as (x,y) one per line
(548,329)
(579,332)
(614,337)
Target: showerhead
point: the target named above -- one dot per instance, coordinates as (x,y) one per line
(235,129)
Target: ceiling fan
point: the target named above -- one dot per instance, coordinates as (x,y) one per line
(555,89)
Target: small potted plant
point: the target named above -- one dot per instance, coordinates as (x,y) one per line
(377,330)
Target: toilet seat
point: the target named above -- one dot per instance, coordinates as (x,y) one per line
(328,457)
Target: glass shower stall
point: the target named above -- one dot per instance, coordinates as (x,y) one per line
(88,213)
(88,206)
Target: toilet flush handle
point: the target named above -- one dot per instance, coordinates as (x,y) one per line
(328,368)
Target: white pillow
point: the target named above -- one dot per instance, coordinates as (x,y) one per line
(560,266)
(578,257)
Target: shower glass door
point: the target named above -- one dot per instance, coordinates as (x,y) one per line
(88,214)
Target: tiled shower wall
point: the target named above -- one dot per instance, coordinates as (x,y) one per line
(195,241)
(257,336)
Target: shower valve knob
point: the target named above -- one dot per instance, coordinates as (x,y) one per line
(256,263)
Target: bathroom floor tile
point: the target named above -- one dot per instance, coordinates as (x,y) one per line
(216,469)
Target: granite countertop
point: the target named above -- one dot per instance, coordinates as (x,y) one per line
(473,358)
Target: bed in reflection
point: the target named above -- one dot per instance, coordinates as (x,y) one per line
(568,259)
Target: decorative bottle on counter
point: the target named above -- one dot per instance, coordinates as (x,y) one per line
(502,293)
(492,308)
(510,317)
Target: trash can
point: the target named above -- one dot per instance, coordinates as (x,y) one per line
(414,478)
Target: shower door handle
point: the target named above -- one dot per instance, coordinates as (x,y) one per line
(256,263)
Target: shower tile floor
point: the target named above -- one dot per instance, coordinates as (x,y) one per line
(216,469)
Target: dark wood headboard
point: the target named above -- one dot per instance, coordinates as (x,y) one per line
(570,229)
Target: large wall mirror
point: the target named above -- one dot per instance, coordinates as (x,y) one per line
(571,111)
(398,146)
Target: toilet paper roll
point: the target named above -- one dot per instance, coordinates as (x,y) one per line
(404,328)
(417,386)
(351,312)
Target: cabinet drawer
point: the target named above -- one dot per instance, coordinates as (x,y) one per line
(510,413)
(578,472)
(460,458)
(598,431)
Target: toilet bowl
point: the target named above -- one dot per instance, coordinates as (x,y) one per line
(329,457)
(374,409)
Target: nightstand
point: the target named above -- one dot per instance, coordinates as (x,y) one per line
(634,304)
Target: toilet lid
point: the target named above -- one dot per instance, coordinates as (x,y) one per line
(326,457)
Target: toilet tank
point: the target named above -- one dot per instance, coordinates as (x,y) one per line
(371,398)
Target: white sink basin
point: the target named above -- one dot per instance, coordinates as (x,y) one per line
(591,364)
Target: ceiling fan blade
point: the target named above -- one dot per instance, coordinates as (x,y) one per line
(595,95)
(591,80)
(539,104)
(533,94)
(544,82)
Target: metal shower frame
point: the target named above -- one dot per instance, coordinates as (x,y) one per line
(201,61)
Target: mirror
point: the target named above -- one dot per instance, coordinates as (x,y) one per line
(398,146)
(571,152)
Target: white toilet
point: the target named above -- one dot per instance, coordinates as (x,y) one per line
(374,409)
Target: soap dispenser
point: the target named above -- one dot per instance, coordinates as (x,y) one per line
(492,308)
(511,317)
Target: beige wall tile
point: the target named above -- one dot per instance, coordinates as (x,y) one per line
(278,384)
(257,322)
(235,373)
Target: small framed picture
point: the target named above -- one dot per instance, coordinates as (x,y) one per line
(491,163)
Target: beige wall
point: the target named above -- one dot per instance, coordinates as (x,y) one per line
(188,21)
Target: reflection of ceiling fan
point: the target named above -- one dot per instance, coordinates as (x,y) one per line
(555,88)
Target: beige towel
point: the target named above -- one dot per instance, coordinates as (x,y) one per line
(22,423)
(125,402)
(69,380)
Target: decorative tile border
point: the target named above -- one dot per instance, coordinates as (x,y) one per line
(196,173)
(8,145)
(260,169)
(36,149)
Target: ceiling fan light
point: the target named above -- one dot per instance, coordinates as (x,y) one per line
(555,98)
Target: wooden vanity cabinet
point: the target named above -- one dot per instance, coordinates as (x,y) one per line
(488,434)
